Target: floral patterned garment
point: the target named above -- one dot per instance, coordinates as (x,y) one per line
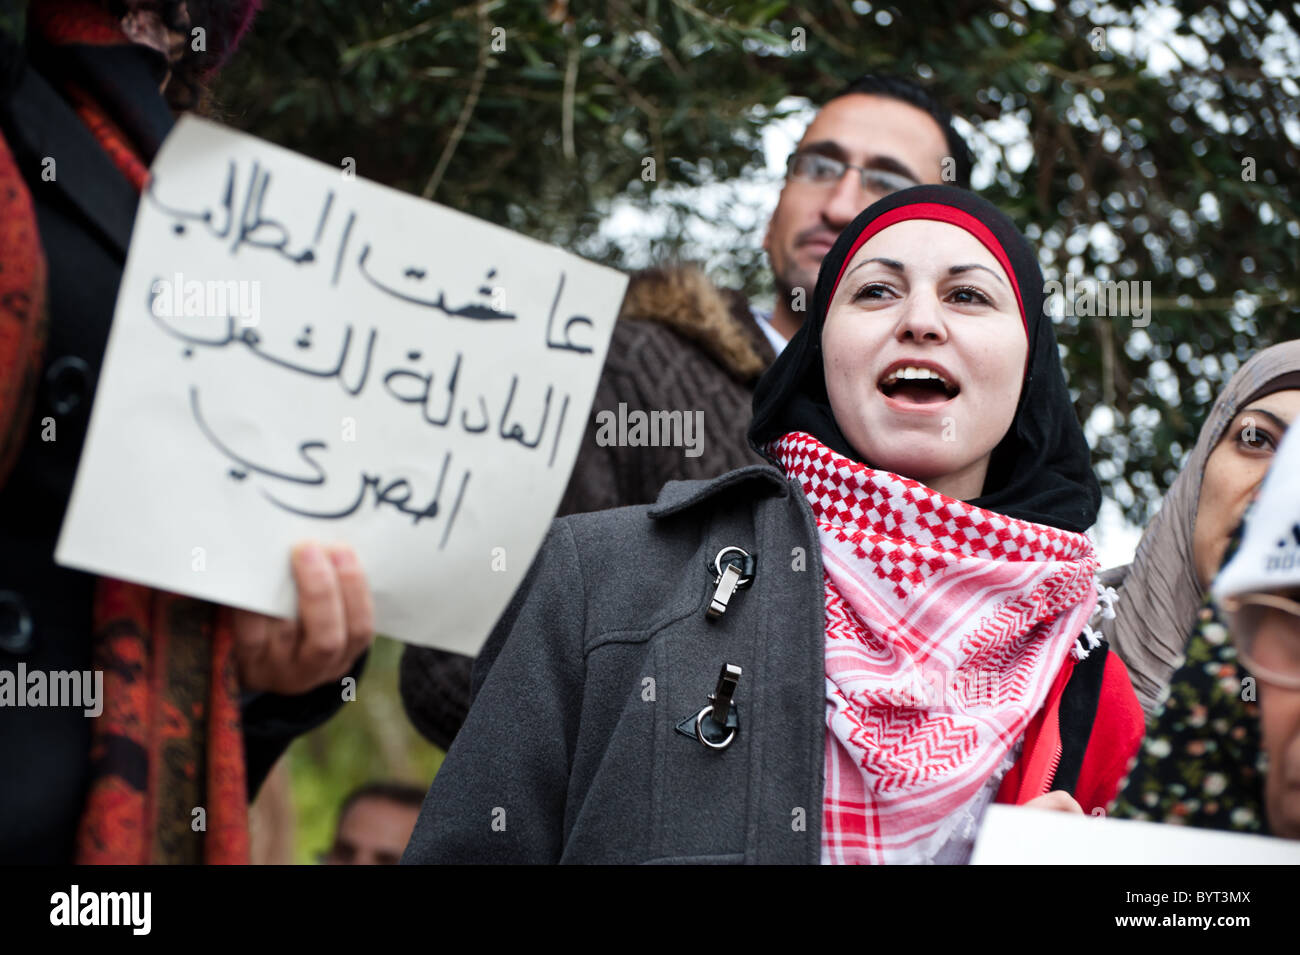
(1201,763)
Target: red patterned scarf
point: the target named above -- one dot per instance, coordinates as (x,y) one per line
(946,625)
(167,765)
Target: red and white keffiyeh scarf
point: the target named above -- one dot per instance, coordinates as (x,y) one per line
(946,625)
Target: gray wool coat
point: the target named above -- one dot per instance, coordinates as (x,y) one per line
(570,752)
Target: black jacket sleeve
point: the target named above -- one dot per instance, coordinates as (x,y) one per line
(272,721)
(435,688)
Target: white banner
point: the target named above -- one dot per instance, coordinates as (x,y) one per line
(301,354)
(1014,835)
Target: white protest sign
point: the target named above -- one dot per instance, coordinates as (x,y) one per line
(1014,835)
(300,354)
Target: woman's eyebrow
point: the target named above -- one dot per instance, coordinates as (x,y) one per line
(1280,422)
(887,263)
(958,269)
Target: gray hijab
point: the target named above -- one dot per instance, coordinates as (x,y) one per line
(1159,594)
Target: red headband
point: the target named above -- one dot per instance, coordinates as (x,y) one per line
(941,213)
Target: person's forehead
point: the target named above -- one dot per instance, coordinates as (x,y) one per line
(1285,404)
(927,242)
(371,809)
(1282,407)
(863,126)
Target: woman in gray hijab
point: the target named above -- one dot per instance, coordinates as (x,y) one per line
(1162,591)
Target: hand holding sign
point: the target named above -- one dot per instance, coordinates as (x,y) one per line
(297,355)
(335,624)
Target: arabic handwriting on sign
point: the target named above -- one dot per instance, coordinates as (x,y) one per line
(422,396)
(317,478)
(249,228)
(343,248)
(483,410)
(558,428)
(395,493)
(516,432)
(567,344)
(473,310)
(250,339)
(181,217)
(406,385)
(254,227)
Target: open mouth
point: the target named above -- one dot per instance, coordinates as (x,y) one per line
(921,386)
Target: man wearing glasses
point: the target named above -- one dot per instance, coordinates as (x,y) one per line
(683,346)
(877,136)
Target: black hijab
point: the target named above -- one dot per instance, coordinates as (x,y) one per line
(1040,471)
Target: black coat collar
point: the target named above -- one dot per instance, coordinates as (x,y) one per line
(678,496)
(40,124)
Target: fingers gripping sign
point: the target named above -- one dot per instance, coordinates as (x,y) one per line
(335,625)
(1058,801)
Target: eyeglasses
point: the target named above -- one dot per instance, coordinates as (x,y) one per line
(819,169)
(1266,630)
